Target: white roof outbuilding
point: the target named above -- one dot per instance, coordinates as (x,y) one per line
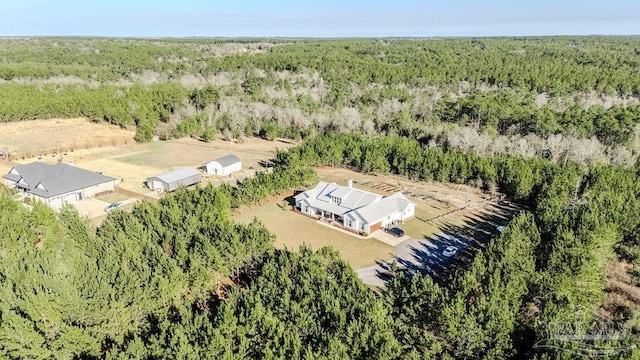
(223,166)
(172,180)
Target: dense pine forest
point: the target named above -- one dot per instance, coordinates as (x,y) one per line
(553,123)
(568,99)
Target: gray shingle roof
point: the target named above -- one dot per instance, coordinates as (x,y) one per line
(176,175)
(54,179)
(227,160)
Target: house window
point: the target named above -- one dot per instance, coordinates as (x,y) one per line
(349,223)
(362,227)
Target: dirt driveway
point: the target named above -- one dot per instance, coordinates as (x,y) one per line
(94,208)
(91,208)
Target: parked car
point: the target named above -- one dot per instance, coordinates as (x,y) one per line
(396,231)
(450,251)
(113,206)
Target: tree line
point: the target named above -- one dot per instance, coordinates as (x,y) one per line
(550,64)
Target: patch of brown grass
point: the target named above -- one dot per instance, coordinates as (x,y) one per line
(24,139)
(622,291)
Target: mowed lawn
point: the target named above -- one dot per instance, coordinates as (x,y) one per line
(293,230)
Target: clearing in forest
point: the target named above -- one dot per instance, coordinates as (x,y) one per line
(111,150)
(440,207)
(34,138)
(131,164)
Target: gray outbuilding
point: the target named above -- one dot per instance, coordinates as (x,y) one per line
(172,180)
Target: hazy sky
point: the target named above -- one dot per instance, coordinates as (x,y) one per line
(326,18)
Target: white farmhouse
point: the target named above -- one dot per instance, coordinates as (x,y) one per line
(223,166)
(355,209)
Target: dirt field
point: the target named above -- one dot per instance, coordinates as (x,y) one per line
(293,230)
(34,138)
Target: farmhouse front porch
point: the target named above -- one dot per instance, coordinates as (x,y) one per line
(331,219)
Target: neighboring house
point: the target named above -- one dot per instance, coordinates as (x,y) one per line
(174,179)
(223,166)
(355,209)
(58,184)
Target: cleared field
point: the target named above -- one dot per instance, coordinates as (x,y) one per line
(5,167)
(293,230)
(24,139)
(131,164)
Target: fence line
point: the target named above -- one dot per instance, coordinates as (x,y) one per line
(134,194)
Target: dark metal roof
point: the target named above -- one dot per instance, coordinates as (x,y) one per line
(54,179)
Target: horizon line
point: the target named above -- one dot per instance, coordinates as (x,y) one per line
(422,37)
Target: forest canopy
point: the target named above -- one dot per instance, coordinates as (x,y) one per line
(566,98)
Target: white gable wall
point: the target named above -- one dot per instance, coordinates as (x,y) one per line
(156,184)
(305,207)
(409,212)
(215,168)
